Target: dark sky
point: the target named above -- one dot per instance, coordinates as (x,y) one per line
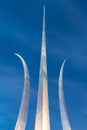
(66,33)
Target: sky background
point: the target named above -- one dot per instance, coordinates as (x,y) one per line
(21,32)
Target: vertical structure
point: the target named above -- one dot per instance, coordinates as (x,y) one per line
(42,114)
(63,112)
(22,116)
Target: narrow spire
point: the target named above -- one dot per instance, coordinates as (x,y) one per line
(43,48)
(44,19)
(44,34)
(23,112)
(42,114)
(63,111)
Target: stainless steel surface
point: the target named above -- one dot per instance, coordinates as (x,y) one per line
(42,114)
(22,116)
(63,112)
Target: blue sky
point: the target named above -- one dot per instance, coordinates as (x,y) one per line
(20,32)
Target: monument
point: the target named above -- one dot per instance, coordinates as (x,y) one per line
(42,121)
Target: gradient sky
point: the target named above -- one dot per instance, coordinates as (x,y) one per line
(20,32)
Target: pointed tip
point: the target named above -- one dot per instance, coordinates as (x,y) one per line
(44,18)
(26,73)
(62,67)
(16,54)
(64,61)
(44,9)
(44,12)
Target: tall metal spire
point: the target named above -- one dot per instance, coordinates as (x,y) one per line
(43,50)
(44,19)
(42,114)
(23,112)
(63,112)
